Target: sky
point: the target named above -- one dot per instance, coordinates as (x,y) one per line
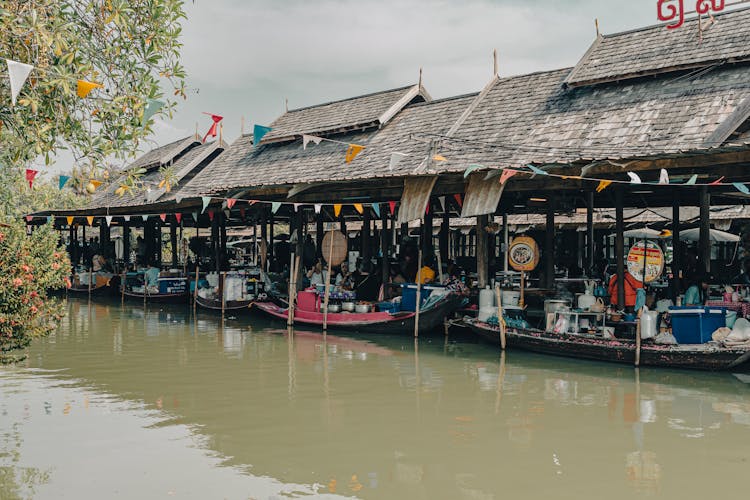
(246,58)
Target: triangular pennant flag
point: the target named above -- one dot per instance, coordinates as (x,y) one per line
(227,214)
(634,178)
(18,73)
(85,88)
(178,198)
(144,218)
(470,169)
(211,214)
(95,183)
(275,206)
(206,201)
(50,219)
(376,209)
(230,203)
(90,220)
(126,217)
(307,139)
(69,220)
(178,217)
(163,217)
(108,218)
(439,158)
(663,176)
(459,199)
(259,131)
(195,216)
(359,208)
(602,186)
(353,151)
(536,170)
(30,174)
(717,182)
(507,174)
(396,159)
(742,188)
(242,213)
(318,206)
(392,207)
(441,199)
(29,218)
(336,210)
(152,106)
(63,180)
(212,130)
(296,206)
(692,180)
(427,208)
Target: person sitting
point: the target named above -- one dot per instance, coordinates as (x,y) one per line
(367,282)
(344,278)
(697,293)
(453,282)
(317,275)
(151,276)
(631,290)
(427,273)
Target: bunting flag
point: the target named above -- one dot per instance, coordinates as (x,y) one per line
(353,151)
(211,214)
(717,182)
(376,209)
(459,200)
(470,169)
(318,207)
(30,175)
(18,73)
(427,208)
(742,188)
(692,180)
(195,216)
(227,214)
(634,178)
(50,219)
(230,203)
(95,183)
(29,218)
(206,201)
(392,206)
(602,186)
(336,210)
(296,206)
(439,158)
(144,218)
(212,131)
(536,170)
(152,107)
(663,176)
(85,88)
(108,218)
(63,180)
(259,132)
(441,199)
(275,206)
(359,208)
(163,217)
(307,139)
(395,160)
(178,217)
(178,198)
(90,220)
(69,220)
(126,217)
(507,174)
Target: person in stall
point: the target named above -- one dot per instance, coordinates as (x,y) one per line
(344,278)
(367,282)
(631,290)
(317,275)
(697,292)
(151,276)
(427,273)
(453,281)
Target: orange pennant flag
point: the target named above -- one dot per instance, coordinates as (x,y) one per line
(359,208)
(69,218)
(439,158)
(95,183)
(566,177)
(336,210)
(85,88)
(602,186)
(353,151)
(90,219)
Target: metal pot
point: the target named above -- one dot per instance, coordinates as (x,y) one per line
(332,308)
(348,306)
(362,308)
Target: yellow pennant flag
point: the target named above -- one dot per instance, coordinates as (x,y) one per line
(359,208)
(439,158)
(566,177)
(336,210)
(353,151)
(69,218)
(90,219)
(602,186)
(85,88)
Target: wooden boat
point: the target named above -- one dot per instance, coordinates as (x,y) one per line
(374,322)
(692,356)
(83,291)
(229,305)
(162,298)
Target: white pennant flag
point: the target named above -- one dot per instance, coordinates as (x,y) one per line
(206,201)
(18,73)
(395,160)
(634,178)
(307,139)
(126,217)
(318,206)
(296,207)
(442,202)
(178,198)
(663,177)
(108,218)
(144,217)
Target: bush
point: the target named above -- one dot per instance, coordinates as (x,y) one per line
(30,267)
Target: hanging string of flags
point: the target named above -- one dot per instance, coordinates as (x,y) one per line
(19,72)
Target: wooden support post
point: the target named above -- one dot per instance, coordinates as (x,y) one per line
(91,278)
(223,292)
(270,241)
(319,233)
(705,230)
(384,244)
(215,246)
(292,288)
(500,318)
(365,236)
(328,286)
(676,246)
(126,244)
(589,234)
(638,337)
(506,242)
(549,245)
(482,252)
(427,247)
(222,240)
(418,300)
(173,242)
(620,246)
(264,235)
(122,285)
(195,291)
(445,230)
(299,224)
(157,235)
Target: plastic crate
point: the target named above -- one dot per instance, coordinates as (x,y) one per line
(389,307)
(409,295)
(695,325)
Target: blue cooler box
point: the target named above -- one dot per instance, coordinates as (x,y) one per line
(695,325)
(409,295)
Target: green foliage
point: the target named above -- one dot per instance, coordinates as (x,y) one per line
(17,199)
(30,265)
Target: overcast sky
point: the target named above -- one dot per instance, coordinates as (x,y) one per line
(245,57)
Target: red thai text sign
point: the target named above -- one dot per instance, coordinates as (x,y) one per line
(673,11)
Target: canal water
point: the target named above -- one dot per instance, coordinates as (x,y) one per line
(127,402)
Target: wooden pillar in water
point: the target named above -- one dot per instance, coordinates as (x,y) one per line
(482,252)
(157,241)
(620,246)
(173,242)
(427,248)
(270,241)
(223,239)
(705,230)
(384,244)
(445,229)
(589,267)
(676,246)
(126,243)
(299,219)
(264,235)
(549,245)
(365,236)
(215,246)
(319,234)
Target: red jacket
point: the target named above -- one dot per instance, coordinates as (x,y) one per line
(631,287)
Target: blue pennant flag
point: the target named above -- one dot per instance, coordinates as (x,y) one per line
(259,131)
(470,169)
(742,188)
(63,180)
(152,106)
(376,209)
(536,170)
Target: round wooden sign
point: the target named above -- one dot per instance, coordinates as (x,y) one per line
(337,253)
(654,261)
(523,254)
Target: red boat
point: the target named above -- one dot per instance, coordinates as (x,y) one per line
(430,319)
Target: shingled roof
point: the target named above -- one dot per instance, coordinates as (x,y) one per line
(164,154)
(345,115)
(655,49)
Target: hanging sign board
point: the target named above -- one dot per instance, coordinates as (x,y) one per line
(654,261)
(523,254)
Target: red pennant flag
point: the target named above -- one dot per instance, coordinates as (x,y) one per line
(212,131)
(30,174)
(427,208)
(178,216)
(230,203)
(29,218)
(242,212)
(507,174)
(163,217)
(392,206)
(211,215)
(717,181)
(459,200)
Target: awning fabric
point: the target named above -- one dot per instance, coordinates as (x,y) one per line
(416,195)
(482,196)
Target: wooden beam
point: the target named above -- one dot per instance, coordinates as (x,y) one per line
(384,250)
(590,234)
(676,247)
(549,245)
(620,246)
(705,229)
(483,256)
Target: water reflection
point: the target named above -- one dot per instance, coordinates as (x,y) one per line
(375,416)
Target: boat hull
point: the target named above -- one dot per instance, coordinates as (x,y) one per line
(695,357)
(229,305)
(161,298)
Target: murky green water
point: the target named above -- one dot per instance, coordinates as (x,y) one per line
(123,403)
